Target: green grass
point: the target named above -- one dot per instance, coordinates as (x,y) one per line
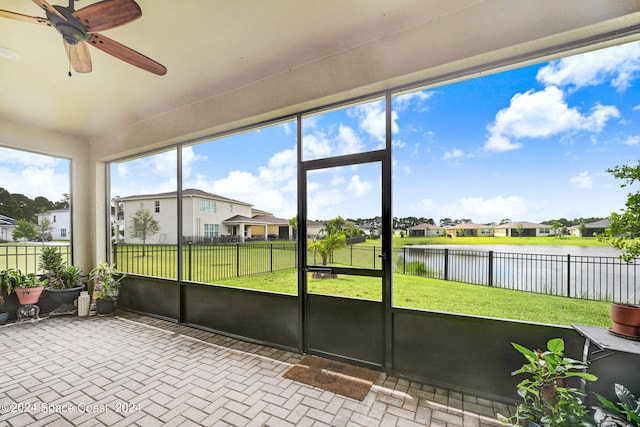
(445,296)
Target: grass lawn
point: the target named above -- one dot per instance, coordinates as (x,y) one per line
(446,296)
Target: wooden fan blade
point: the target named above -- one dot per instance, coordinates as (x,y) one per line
(25,18)
(79,57)
(108,14)
(126,54)
(44,4)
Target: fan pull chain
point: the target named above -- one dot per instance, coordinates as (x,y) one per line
(69,68)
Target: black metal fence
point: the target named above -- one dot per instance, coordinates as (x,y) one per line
(27,257)
(586,277)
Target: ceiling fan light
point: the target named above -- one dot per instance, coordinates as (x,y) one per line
(8,53)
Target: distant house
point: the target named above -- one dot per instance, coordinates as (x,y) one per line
(523,229)
(590,229)
(206,217)
(60,223)
(470,229)
(6,228)
(425,230)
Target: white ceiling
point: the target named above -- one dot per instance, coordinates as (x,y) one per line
(208,46)
(214,48)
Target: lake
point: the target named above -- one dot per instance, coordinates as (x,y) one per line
(589,272)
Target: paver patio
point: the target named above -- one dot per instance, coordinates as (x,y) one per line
(136,370)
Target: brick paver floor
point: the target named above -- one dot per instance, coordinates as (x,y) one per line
(135,370)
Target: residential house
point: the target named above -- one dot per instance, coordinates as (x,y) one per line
(60,220)
(470,229)
(207,217)
(6,228)
(425,230)
(590,229)
(523,229)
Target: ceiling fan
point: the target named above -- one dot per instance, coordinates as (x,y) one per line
(79,29)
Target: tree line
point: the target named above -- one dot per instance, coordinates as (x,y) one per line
(20,207)
(405,223)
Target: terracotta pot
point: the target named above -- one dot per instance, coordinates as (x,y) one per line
(626,319)
(29,295)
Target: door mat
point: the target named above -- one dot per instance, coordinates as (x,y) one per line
(337,377)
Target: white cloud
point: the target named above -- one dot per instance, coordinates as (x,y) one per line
(619,64)
(539,115)
(416,100)
(582,180)
(632,140)
(372,117)
(25,158)
(33,174)
(456,153)
(357,187)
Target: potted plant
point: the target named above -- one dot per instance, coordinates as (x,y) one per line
(547,400)
(64,282)
(27,287)
(625,413)
(107,281)
(626,320)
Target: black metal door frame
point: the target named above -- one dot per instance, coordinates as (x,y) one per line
(373,310)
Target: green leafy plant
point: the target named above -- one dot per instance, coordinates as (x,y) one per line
(625,413)
(109,279)
(547,400)
(13,278)
(57,274)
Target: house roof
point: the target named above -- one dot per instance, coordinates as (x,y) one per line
(257,220)
(185,193)
(426,226)
(603,223)
(525,224)
(469,225)
(6,221)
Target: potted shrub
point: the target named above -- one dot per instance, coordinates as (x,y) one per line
(107,281)
(64,282)
(547,400)
(625,413)
(27,287)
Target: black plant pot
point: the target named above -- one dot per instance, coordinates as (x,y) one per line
(65,299)
(105,307)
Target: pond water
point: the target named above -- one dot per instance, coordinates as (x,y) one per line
(590,272)
(604,251)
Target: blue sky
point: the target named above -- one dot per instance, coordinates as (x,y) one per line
(528,144)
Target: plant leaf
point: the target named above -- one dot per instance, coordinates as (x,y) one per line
(556,345)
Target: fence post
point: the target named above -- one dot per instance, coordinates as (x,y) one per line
(568,275)
(404,259)
(190,243)
(490,268)
(238,259)
(446,264)
(271,257)
(374,257)
(115,254)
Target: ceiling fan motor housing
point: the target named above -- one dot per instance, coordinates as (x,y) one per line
(71,29)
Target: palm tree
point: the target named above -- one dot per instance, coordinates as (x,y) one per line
(325,247)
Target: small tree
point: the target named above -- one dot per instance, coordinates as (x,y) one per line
(624,230)
(143,226)
(519,229)
(24,229)
(325,247)
(44,227)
